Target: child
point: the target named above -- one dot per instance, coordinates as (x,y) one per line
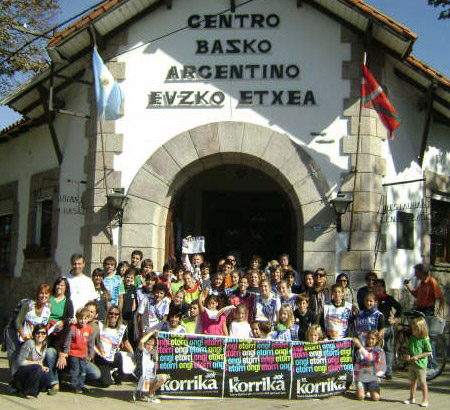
(314,334)
(213,322)
(261,330)
(266,303)
(205,270)
(308,282)
(136,257)
(146,269)
(217,284)
(146,290)
(103,297)
(369,318)
(419,347)
(285,294)
(178,304)
(285,329)
(178,283)
(79,346)
(149,381)
(242,295)
(239,327)
(370,364)
(337,314)
(129,298)
(304,317)
(151,314)
(235,276)
(289,277)
(166,278)
(173,324)
(113,283)
(275,277)
(190,323)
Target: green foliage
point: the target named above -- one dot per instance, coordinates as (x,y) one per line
(20,20)
(444,14)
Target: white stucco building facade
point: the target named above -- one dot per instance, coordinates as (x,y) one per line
(240,122)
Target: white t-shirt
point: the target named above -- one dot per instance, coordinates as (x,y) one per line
(267,309)
(153,315)
(240,330)
(81,290)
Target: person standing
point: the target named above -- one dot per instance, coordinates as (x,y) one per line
(427,293)
(81,287)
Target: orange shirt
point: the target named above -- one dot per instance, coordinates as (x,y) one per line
(428,292)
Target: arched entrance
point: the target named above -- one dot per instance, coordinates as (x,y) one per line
(165,174)
(237,208)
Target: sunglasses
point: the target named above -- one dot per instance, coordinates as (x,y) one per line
(320,275)
(113,314)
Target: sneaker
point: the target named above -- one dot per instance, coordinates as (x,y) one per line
(425,404)
(409,401)
(153,399)
(388,377)
(52,391)
(85,390)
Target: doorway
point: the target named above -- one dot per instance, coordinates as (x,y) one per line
(238,209)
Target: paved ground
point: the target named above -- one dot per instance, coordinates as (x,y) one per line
(119,397)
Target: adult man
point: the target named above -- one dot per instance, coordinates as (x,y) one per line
(428,291)
(81,287)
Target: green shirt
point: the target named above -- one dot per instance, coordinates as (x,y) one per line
(418,346)
(57,308)
(190,325)
(176,286)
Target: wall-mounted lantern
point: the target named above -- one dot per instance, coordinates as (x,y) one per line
(116,202)
(340,205)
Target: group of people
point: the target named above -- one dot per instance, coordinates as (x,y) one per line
(84,324)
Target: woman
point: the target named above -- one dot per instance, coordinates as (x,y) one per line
(349,293)
(61,310)
(32,376)
(321,293)
(108,356)
(103,298)
(31,313)
(60,317)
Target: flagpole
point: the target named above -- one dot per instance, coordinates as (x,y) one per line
(358,143)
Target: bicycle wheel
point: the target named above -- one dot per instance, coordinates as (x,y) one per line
(437,363)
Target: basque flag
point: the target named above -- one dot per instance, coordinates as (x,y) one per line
(108,94)
(373,96)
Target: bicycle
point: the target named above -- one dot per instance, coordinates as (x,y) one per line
(437,363)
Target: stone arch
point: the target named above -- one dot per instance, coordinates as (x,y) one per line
(191,152)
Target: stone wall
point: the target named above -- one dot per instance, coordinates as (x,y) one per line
(368,169)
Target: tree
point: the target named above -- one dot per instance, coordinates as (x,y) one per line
(22,45)
(444,14)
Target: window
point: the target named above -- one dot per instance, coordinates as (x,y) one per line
(9,217)
(6,219)
(440,231)
(405,230)
(43,215)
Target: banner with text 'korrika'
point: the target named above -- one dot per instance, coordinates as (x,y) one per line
(215,367)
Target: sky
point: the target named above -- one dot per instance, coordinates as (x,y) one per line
(431,46)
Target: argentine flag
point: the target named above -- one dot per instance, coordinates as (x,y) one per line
(108,94)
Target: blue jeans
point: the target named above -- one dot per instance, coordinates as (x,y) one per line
(51,357)
(388,348)
(77,371)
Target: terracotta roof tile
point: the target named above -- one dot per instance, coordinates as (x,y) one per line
(14,125)
(425,68)
(383,18)
(83,22)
